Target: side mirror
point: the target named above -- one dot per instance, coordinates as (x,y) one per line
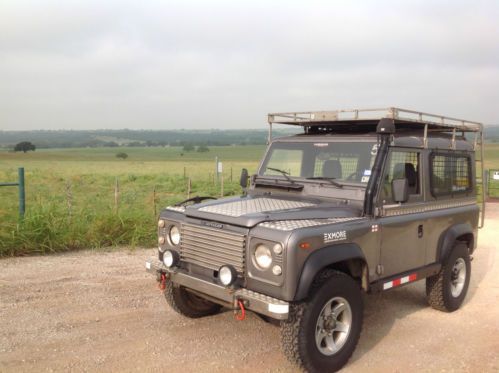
(400,190)
(244,178)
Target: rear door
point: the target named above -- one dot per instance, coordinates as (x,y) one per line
(403,239)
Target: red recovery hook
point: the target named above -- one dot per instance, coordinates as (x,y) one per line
(162,283)
(241,316)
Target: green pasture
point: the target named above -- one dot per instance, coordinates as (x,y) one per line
(71,193)
(492,156)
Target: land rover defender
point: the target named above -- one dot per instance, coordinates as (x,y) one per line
(361,201)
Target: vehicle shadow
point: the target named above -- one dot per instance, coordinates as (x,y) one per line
(382,310)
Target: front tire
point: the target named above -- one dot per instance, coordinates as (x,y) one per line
(447,289)
(188,304)
(321,334)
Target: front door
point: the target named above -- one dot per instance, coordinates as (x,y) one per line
(403,241)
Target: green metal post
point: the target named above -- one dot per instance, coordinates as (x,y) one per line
(22,194)
(486,183)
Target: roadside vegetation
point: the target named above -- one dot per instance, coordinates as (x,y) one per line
(89,198)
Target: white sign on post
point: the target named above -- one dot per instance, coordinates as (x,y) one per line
(220,168)
(495,175)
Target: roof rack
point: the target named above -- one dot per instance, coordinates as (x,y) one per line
(403,119)
(336,117)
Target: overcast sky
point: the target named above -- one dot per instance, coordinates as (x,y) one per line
(170,65)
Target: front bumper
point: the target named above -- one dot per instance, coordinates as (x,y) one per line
(256,302)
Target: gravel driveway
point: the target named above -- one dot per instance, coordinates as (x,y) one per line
(100,311)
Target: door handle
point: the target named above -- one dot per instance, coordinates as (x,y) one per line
(420,230)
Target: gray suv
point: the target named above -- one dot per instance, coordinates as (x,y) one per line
(361,201)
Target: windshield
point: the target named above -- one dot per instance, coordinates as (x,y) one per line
(341,161)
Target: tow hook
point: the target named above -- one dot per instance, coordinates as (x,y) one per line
(241,303)
(162,282)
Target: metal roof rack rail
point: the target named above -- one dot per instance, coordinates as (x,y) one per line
(337,117)
(403,118)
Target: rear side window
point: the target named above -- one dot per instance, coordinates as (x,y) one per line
(450,174)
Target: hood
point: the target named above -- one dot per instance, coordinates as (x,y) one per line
(248,211)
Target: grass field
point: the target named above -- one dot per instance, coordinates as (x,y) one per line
(492,156)
(70,193)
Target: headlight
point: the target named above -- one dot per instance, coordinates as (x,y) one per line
(277,249)
(227,275)
(161,223)
(174,235)
(263,256)
(170,258)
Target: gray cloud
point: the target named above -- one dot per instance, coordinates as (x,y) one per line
(154,64)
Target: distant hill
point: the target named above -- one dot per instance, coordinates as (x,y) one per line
(109,138)
(99,138)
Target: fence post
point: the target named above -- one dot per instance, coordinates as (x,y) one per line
(486,183)
(117,195)
(215,177)
(154,199)
(69,199)
(22,193)
(222,184)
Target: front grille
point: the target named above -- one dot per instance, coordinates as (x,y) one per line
(212,248)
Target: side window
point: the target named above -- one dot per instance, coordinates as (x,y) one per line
(401,164)
(450,174)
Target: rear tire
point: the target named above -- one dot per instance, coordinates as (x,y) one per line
(321,334)
(447,289)
(187,303)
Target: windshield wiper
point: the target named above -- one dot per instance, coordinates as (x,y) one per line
(284,173)
(328,179)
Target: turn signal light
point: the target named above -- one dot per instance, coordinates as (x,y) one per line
(304,245)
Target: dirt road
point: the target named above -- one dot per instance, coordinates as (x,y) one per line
(93,311)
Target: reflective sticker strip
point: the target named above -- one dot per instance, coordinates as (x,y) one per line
(400,281)
(278,308)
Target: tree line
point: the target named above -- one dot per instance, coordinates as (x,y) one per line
(136,138)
